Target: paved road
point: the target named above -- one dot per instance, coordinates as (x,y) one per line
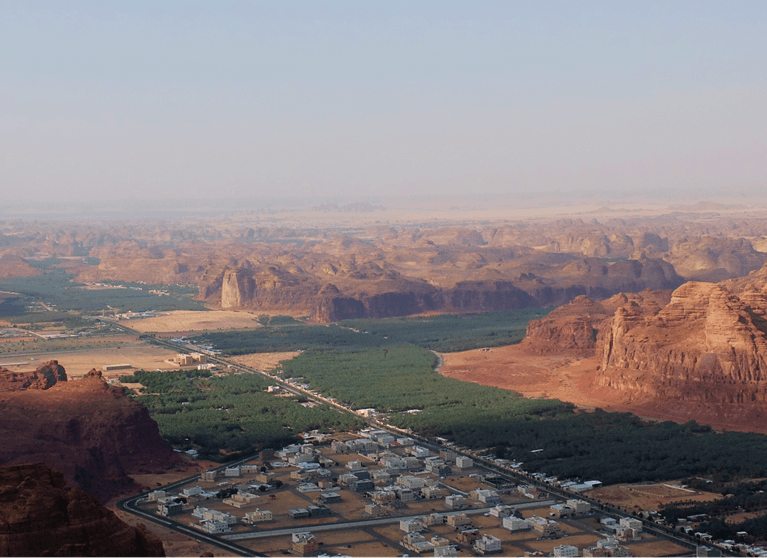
(364,523)
(130,505)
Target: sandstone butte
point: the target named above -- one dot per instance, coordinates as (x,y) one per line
(91,432)
(387,270)
(40,515)
(699,352)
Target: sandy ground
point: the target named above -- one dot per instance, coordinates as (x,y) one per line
(573,380)
(564,378)
(77,363)
(189,320)
(657,548)
(648,496)
(264,361)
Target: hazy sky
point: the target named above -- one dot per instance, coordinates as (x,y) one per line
(108,100)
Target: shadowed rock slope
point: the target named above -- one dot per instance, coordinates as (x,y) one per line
(41,516)
(89,431)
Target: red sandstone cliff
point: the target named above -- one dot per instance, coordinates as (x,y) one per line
(91,432)
(41,516)
(699,354)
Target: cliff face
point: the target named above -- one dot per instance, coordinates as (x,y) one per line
(699,352)
(367,289)
(574,329)
(88,430)
(41,516)
(707,344)
(236,288)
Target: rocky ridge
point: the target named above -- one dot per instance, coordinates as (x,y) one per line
(45,376)
(91,432)
(403,268)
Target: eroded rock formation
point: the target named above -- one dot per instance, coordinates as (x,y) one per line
(402,268)
(41,516)
(91,432)
(45,376)
(699,352)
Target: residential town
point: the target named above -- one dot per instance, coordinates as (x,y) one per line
(417,500)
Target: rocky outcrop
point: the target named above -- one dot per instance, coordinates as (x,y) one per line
(41,516)
(45,376)
(12,265)
(486,296)
(569,329)
(367,289)
(575,328)
(699,352)
(236,288)
(91,432)
(714,259)
(705,345)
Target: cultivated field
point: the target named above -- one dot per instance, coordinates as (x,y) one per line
(189,321)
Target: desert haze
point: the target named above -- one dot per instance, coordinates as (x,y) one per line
(656,310)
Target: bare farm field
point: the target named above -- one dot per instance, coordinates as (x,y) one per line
(649,496)
(78,363)
(657,548)
(264,361)
(190,321)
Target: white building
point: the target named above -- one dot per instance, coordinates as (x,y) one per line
(500,511)
(211,526)
(631,523)
(446,551)
(487,544)
(580,507)
(411,525)
(193,491)
(355,465)
(232,472)
(565,550)
(156,495)
(258,516)
(417,543)
(411,482)
(485,496)
(419,451)
(513,523)
(455,502)
(463,462)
